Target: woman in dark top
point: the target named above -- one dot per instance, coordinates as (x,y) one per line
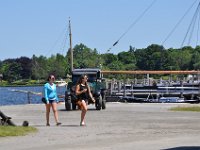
(83,93)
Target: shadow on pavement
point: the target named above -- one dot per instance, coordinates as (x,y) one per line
(184,148)
(63,125)
(89,109)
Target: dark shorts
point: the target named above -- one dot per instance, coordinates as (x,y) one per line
(52,101)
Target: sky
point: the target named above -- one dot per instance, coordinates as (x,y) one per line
(40,27)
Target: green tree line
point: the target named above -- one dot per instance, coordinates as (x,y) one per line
(154,57)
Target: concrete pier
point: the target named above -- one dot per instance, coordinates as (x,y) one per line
(135,126)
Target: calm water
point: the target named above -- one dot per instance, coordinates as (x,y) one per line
(9,96)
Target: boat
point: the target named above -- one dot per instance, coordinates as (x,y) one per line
(60,83)
(172,100)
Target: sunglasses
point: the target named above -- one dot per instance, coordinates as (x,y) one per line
(85,78)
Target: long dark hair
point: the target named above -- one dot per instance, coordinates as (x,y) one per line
(86,84)
(50,76)
(81,78)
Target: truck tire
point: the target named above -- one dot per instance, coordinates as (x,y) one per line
(104,104)
(73,106)
(98,103)
(68,105)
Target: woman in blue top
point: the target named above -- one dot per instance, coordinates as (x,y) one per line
(51,98)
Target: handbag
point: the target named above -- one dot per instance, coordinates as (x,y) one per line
(44,100)
(74,96)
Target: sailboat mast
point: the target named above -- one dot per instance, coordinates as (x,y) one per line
(71,50)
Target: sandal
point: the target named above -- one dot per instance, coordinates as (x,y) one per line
(82,124)
(58,123)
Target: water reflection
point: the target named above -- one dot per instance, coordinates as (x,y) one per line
(9,96)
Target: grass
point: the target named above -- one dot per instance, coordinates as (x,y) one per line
(184,108)
(16,130)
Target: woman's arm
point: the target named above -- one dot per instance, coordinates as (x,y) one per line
(78,92)
(45,93)
(56,95)
(90,93)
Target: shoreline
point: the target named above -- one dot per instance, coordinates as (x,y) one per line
(31,85)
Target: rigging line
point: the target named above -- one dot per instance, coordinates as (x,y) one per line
(194,23)
(64,45)
(169,35)
(137,20)
(190,25)
(197,41)
(53,46)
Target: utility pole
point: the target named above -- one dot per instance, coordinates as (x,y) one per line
(71,50)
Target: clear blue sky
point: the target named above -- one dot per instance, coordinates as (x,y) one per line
(39,27)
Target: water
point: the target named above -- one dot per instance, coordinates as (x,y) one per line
(10,96)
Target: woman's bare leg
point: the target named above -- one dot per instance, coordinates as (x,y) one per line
(83,112)
(54,107)
(47,113)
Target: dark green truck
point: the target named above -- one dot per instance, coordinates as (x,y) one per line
(96,83)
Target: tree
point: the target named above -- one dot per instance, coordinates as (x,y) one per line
(108,58)
(26,67)
(172,59)
(195,59)
(85,57)
(154,57)
(58,65)
(185,56)
(39,67)
(11,70)
(127,59)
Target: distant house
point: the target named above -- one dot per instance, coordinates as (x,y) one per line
(1,77)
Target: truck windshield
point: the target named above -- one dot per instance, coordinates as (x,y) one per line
(91,78)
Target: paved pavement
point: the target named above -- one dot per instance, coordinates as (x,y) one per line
(121,126)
